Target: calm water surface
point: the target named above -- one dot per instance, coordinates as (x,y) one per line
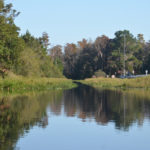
(83,118)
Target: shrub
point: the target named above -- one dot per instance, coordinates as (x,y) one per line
(100,73)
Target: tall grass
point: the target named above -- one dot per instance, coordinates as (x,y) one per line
(143,82)
(19,84)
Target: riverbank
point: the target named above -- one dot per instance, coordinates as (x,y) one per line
(143,82)
(22,84)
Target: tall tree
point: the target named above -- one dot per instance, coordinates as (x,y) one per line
(101,45)
(57,56)
(45,40)
(10,43)
(70,57)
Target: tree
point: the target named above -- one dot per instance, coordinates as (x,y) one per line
(87,63)
(101,45)
(116,58)
(44,40)
(56,52)
(146,58)
(70,57)
(35,52)
(29,63)
(57,56)
(11,44)
(82,44)
(34,43)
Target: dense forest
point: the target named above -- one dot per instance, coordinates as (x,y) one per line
(30,56)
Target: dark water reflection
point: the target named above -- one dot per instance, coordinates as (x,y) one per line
(122,108)
(19,115)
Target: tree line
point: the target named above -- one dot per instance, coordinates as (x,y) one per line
(23,54)
(105,55)
(30,56)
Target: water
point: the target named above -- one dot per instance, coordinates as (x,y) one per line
(83,118)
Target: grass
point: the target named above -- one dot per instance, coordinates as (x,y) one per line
(22,84)
(143,82)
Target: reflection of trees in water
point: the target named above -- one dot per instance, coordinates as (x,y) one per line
(19,114)
(105,105)
(55,104)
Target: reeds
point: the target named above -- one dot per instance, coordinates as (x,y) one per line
(143,82)
(19,84)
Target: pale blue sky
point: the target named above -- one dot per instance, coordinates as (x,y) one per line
(71,20)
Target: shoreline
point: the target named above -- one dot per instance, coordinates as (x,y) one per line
(136,83)
(23,84)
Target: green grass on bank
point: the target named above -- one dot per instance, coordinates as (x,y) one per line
(143,82)
(22,84)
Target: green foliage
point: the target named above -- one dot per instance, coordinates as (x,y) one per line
(25,55)
(23,84)
(29,63)
(10,43)
(143,82)
(83,59)
(100,73)
(35,61)
(30,56)
(34,43)
(59,64)
(49,69)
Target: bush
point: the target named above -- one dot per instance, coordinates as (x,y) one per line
(100,73)
(29,63)
(10,74)
(34,65)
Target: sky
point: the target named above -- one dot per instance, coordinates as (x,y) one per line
(68,21)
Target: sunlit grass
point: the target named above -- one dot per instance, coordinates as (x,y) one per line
(27,84)
(143,82)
